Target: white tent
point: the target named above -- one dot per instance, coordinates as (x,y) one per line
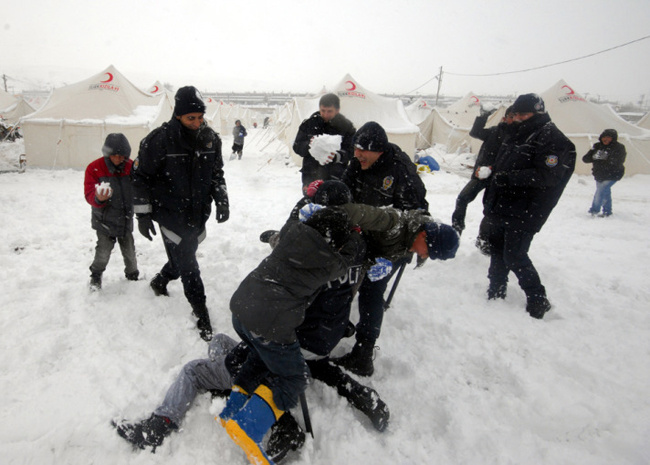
(583,122)
(70,128)
(418,111)
(359,105)
(463,112)
(644,122)
(450,126)
(7,100)
(16,111)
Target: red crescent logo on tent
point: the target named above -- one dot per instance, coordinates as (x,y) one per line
(155,89)
(351,86)
(569,90)
(475,98)
(110,78)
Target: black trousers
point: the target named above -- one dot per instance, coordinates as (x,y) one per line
(508,249)
(465,197)
(182,263)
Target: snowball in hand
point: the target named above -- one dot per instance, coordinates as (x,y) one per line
(104,189)
(483,172)
(323,146)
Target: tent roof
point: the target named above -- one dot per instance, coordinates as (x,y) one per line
(105,94)
(7,100)
(573,114)
(361,105)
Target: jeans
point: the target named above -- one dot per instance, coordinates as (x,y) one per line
(181,255)
(105,244)
(281,367)
(198,375)
(602,197)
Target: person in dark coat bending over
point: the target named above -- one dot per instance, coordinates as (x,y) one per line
(176,177)
(531,170)
(324,141)
(267,307)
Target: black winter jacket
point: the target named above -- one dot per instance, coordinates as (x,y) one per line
(492,138)
(392,181)
(608,160)
(315,125)
(176,176)
(530,173)
(272,299)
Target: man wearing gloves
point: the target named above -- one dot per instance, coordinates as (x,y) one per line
(492,138)
(380,175)
(177,175)
(531,170)
(108,189)
(324,141)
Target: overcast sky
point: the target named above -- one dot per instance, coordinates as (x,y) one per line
(301,46)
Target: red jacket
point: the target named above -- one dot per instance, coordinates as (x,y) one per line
(113,217)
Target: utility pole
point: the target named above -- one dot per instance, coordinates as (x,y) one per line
(439,78)
(4,78)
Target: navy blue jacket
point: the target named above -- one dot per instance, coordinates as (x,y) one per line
(530,173)
(177,176)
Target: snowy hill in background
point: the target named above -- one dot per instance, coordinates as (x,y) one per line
(467,381)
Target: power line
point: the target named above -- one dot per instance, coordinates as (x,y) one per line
(537,67)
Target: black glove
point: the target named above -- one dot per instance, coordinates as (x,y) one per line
(145,226)
(501,179)
(223,213)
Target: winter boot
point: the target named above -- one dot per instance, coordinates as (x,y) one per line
(132,276)
(234,404)
(147,433)
(203,324)
(159,285)
(359,361)
(497,291)
(366,400)
(537,306)
(248,427)
(286,434)
(95,282)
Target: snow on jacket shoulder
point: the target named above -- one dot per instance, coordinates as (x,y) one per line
(272,299)
(537,163)
(114,216)
(176,178)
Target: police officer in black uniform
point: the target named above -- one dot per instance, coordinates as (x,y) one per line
(176,177)
(532,168)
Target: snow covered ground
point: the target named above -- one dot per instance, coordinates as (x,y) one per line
(467,381)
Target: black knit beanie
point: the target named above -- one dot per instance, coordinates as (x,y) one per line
(188,100)
(372,137)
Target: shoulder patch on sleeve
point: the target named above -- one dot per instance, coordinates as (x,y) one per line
(551,160)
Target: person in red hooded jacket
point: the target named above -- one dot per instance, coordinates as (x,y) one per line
(108,189)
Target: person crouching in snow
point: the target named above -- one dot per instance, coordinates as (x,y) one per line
(267,307)
(108,189)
